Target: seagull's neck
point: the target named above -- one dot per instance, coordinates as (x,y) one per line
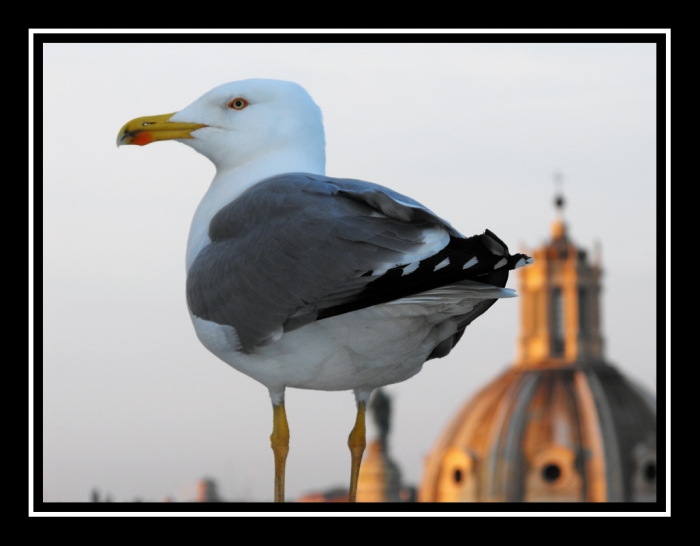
(229,184)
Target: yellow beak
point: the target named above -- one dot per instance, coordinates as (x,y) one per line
(142,131)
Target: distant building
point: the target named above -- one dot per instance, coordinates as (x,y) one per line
(334,494)
(561,424)
(207,491)
(380,476)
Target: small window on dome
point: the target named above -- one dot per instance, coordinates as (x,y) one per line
(650,472)
(551,472)
(458,475)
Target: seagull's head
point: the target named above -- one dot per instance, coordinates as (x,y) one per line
(241,122)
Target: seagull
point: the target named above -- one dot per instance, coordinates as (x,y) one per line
(300,280)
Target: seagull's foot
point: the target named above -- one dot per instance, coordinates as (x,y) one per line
(356,443)
(279,440)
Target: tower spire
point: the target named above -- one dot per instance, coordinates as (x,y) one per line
(560,312)
(558,226)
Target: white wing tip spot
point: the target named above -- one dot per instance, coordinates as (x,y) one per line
(524,261)
(443,263)
(410,268)
(471,262)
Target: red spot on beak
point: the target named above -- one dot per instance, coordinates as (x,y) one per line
(142,138)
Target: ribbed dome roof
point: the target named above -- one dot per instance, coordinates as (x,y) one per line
(571,433)
(560,424)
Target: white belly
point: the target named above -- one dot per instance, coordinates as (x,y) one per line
(361,350)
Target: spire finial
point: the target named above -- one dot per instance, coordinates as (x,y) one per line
(559,195)
(558,227)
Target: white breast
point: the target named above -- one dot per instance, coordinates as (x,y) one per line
(363,350)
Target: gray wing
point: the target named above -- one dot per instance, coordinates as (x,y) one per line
(297,247)
(295,244)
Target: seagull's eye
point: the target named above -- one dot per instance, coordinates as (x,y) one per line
(238,104)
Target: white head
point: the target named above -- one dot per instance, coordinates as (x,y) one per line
(241,123)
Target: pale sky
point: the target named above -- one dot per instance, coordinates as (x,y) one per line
(134,405)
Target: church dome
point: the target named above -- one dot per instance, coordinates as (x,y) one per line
(561,424)
(575,433)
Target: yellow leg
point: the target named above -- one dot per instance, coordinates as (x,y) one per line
(356,443)
(279,439)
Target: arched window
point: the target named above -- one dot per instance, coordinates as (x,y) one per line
(583,314)
(557,323)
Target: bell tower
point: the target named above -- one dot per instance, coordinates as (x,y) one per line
(560,310)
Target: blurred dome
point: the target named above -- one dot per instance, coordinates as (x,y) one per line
(561,424)
(579,433)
